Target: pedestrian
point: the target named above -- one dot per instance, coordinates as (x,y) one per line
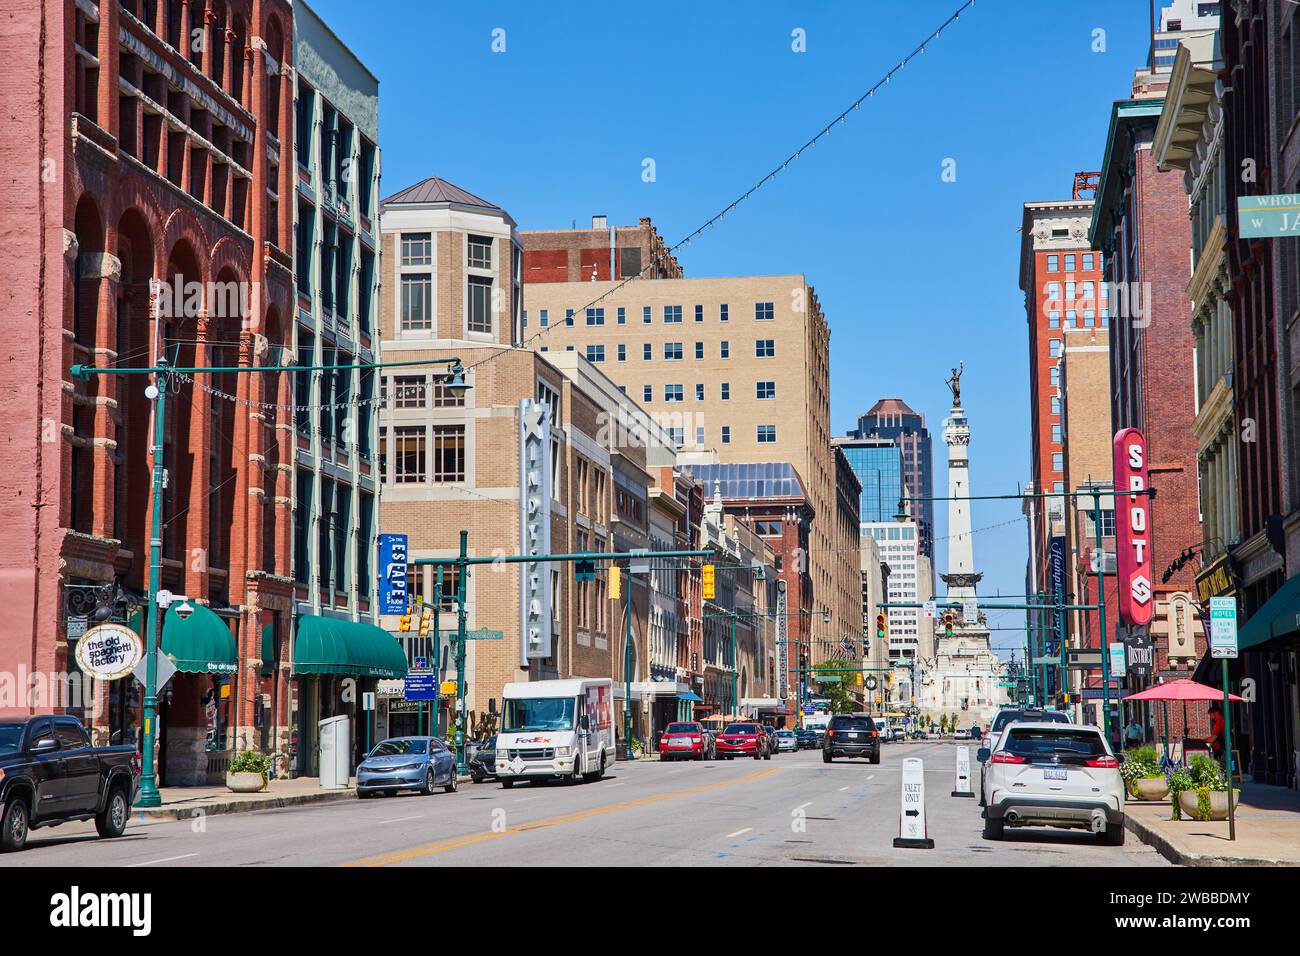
(1216,730)
(1133,733)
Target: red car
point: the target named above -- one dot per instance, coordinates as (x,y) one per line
(743,740)
(684,741)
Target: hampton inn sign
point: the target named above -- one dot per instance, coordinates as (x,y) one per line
(1132,527)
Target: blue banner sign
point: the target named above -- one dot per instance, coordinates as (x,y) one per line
(421,687)
(394,555)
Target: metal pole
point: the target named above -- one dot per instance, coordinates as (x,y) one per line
(462,573)
(437,652)
(627,669)
(149,795)
(735,667)
(1101,613)
(1227,751)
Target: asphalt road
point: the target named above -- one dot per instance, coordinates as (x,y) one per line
(791,810)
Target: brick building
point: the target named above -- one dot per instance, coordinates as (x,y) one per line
(601,253)
(136,154)
(1140,223)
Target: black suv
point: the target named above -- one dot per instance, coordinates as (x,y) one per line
(851,735)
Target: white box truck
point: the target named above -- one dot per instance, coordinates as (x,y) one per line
(556,729)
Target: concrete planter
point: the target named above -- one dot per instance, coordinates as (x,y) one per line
(1218,803)
(1150,789)
(245,782)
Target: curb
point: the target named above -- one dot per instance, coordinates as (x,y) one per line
(1166,848)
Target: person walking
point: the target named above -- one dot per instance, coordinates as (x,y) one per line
(1133,733)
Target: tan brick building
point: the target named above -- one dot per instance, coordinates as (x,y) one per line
(736,369)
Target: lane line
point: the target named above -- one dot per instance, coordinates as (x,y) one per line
(166,859)
(472,838)
(739,832)
(418,816)
(808,804)
(842,789)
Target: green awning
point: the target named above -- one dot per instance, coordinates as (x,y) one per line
(1279,617)
(326,645)
(200,644)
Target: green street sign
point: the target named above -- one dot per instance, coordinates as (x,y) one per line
(824,678)
(483,634)
(584,570)
(1259,217)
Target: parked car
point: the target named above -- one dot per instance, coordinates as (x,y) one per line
(407,763)
(1004,719)
(483,765)
(897,733)
(786,741)
(743,740)
(686,740)
(807,739)
(851,735)
(1054,775)
(771,738)
(50,774)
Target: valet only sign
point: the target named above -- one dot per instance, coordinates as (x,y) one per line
(1132,527)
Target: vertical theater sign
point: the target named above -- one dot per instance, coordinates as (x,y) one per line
(1132,528)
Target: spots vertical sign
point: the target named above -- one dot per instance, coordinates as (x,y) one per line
(1132,527)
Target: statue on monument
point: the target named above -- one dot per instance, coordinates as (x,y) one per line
(954,383)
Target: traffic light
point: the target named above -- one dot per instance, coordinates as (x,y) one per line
(709,581)
(615,574)
(879,700)
(404,622)
(426,616)
(948,619)
(882,626)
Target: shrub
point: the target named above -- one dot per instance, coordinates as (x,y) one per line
(1179,781)
(250,761)
(1138,764)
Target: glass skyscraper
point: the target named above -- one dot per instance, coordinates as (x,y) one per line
(891,418)
(878,463)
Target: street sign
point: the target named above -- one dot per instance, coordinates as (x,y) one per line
(1050,661)
(394,556)
(420,687)
(930,609)
(166,669)
(962,787)
(638,565)
(1223,627)
(484,634)
(368,700)
(911,819)
(1141,656)
(1118,662)
(1085,658)
(1259,217)
(970,612)
(421,664)
(584,570)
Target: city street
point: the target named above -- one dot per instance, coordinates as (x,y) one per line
(793,810)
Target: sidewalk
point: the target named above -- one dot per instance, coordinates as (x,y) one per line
(182,803)
(1268,831)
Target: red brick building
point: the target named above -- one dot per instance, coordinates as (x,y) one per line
(146,140)
(602,252)
(1140,223)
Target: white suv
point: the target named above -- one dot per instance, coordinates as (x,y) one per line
(1054,775)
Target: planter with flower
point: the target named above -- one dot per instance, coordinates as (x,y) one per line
(1143,779)
(1207,796)
(248,772)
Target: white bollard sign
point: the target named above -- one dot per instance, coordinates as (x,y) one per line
(911,827)
(962,787)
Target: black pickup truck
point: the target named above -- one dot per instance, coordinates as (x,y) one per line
(50,774)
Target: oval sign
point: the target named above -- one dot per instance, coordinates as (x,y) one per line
(109,651)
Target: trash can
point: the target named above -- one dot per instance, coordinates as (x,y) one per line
(335,752)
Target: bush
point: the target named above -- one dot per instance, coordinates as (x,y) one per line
(1179,781)
(1137,764)
(250,761)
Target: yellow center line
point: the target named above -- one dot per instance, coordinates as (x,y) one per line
(454,843)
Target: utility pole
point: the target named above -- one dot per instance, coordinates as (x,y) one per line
(149,795)
(462,572)
(627,668)
(1101,613)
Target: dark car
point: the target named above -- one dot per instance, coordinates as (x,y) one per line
(807,739)
(483,765)
(50,774)
(743,740)
(771,738)
(851,735)
(975,733)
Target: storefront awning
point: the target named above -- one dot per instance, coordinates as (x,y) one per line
(691,696)
(326,645)
(1279,617)
(199,644)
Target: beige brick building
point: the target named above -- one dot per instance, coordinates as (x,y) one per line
(737,370)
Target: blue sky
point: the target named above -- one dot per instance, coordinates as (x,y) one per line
(913,273)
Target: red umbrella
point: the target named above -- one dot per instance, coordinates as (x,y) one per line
(1183,689)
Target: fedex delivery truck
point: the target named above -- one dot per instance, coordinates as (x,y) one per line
(556,729)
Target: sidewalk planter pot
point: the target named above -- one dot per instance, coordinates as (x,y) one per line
(1189,800)
(245,782)
(1150,788)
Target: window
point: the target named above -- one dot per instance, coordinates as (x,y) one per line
(699,313)
(1087,262)
(673,314)
(672,393)
(726,434)
(725,349)
(622,352)
(1071,318)
(1069,262)
(622,315)
(1056,375)
(408,454)
(1089,318)
(1056,404)
(1058,461)
(1070,291)
(409,391)
(1053,291)
(480,252)
(699,435)
(672,351)
(764,311)
(417,248)
(443,397)
(1054,347)
(766,434)
(724,313)
(645,315)
(726,391)
(568,316)
(1053,263)
(479,318)
(677,436)
(417,302)
(699,391)
(765,348)
(595,353)
(699,350)
(543,317)
(647,352)
(765,389)
(523,322)
(1056,434)
(648,393)
(596,316)
(448,453)
(1053,320)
